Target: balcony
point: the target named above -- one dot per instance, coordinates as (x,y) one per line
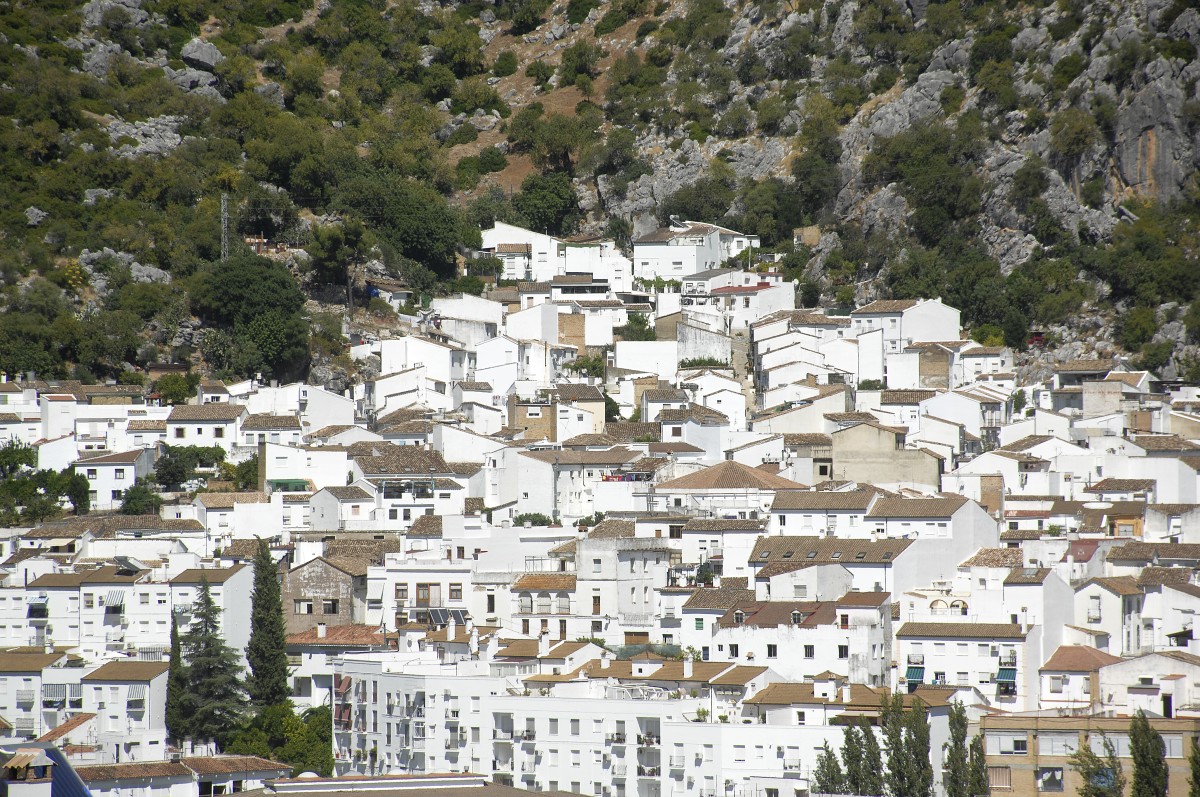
(791,765)
(1009,660)
(648,772)
(648,740)
(528,766)
(418,743)
(416,711)
(614,738)
(25,697)
(677,761)
(1093,617)
(916,660)
(502,766)
(502,735)
(527,737)
(618,770)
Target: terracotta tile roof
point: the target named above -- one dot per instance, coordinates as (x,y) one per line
(218,412)
(864,599)
(340,636)
(774,614)
(128,671)
(76,721)
(133,770)
(962,630)
(674,448)
(996,557)
(348,493)
(903,397)
(1120,585)
(735,582)
(610,529)
(98,575)
(849,417)
(1027,575)
(886,306)
(807,439)
(27,662)
(802,318)
(1121,485)
(665,234)
(738,676)
(702,415)
(611,456)
(1158,576)
(1148,552)
(1084,366)
(227,500)
(214,575)
(387,458)
(573,392)
(728,524)
(559,582)
(942,507)
(1078,658)
(730,475)
(628,431)
(585,440)
(426,526)
(825,550)
(648,464)
(663,394)
(232,764)
(718,598)
(331,430)
(267,421)
(116,458)
(849,500)
(1163,442)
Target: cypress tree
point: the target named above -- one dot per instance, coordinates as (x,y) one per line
(217,696)
(265,652)
(827,777)
(955,779)
(899,776)
(852,753)
(1149,758)
(1194,767)
(178,707)
(916,746)
(977,776)
(871,774)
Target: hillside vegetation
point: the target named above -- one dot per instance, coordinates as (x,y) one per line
(1032,163)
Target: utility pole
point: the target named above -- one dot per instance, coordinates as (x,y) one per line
(224,226)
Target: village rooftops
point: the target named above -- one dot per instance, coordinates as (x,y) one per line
(824,501)
(962,630)
(128,671)
(214,412)
(1078,658)
(730,475)
(267,422)
(117,458)
(825,550)
(886,306)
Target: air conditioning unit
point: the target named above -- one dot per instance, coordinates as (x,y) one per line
(174,756)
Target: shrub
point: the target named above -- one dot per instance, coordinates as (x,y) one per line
(533,519)
(506,64)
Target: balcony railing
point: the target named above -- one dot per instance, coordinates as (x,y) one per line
(26,696)
(618,770)
(614,738)
(501,735)
(677,761)
(502,766)
(791,765)
(648,772)
(916,660)
(1008,661)
(528,736)
(648,740)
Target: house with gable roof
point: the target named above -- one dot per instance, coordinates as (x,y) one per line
(110,475)
(211,424)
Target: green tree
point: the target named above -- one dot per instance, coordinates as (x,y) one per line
(334,249)
(178,709)
(637,328)
(213,674)
(277,733)
(140,499)
(916,745)
(871,774)
(977,775)
(954,778)
(827,777)
(852,758)
(1019,401)
(1194,769)
(265,653)
(1100,775)
(1149,758)
(548,203)
(899,773)
(15,457)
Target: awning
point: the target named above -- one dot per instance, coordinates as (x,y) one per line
(75,690)
(115,597)
(137,692)
(39,600)
(54,691)
(1007,675)
(915,674)
(375,590)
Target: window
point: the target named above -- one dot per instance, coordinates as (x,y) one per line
(1056,684)
(119,473)
(699,623)
(810,651)
(733,651)
(554,726)
(799,717)
(401,592)
(392,514)
(1014,743)
(843,651)
(676,431)
(303,607)
(456,592)
(772,651)
(575,728)
(92,473)
(329,606)
(1057,744)
(179,431)
(219,432)
(1050,779)
(1000,777)
(595,565)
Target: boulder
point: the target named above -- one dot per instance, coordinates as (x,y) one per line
(272,92)
(93,195)
(200,54)
(35,216)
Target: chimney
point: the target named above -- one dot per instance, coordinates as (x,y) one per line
(493,647)
(687,666)
(451,629)
(320,630)
(48,646)
(846,693)
(605,660)
(473,642)
(544,644)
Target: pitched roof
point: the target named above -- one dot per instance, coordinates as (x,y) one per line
(608,456)
(76,721)
(728,524)
(942,507)
(219,412)
(1121,485)
(718,598)
(996,557)
(776,550)
(146,425)
(1162,442)
(1084,366)
(730,475)
(115,458)
(27,662)
(886,306)
(693,412)
(214,575)
(824,501)
(610,529)
(340,636)
(267,421)
(1148,551)
(375,457)
(903,397)
(1078,658)
(962,630)
(807,439)
(1120,585)
(231,764)
(351,492)
(227,500)
(563,582)
(573,392)
(1158,576)
(128,671)
(132,770)
(628,431)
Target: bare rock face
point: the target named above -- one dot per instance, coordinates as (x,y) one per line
(1153,153)
(156,136)
(200,54)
